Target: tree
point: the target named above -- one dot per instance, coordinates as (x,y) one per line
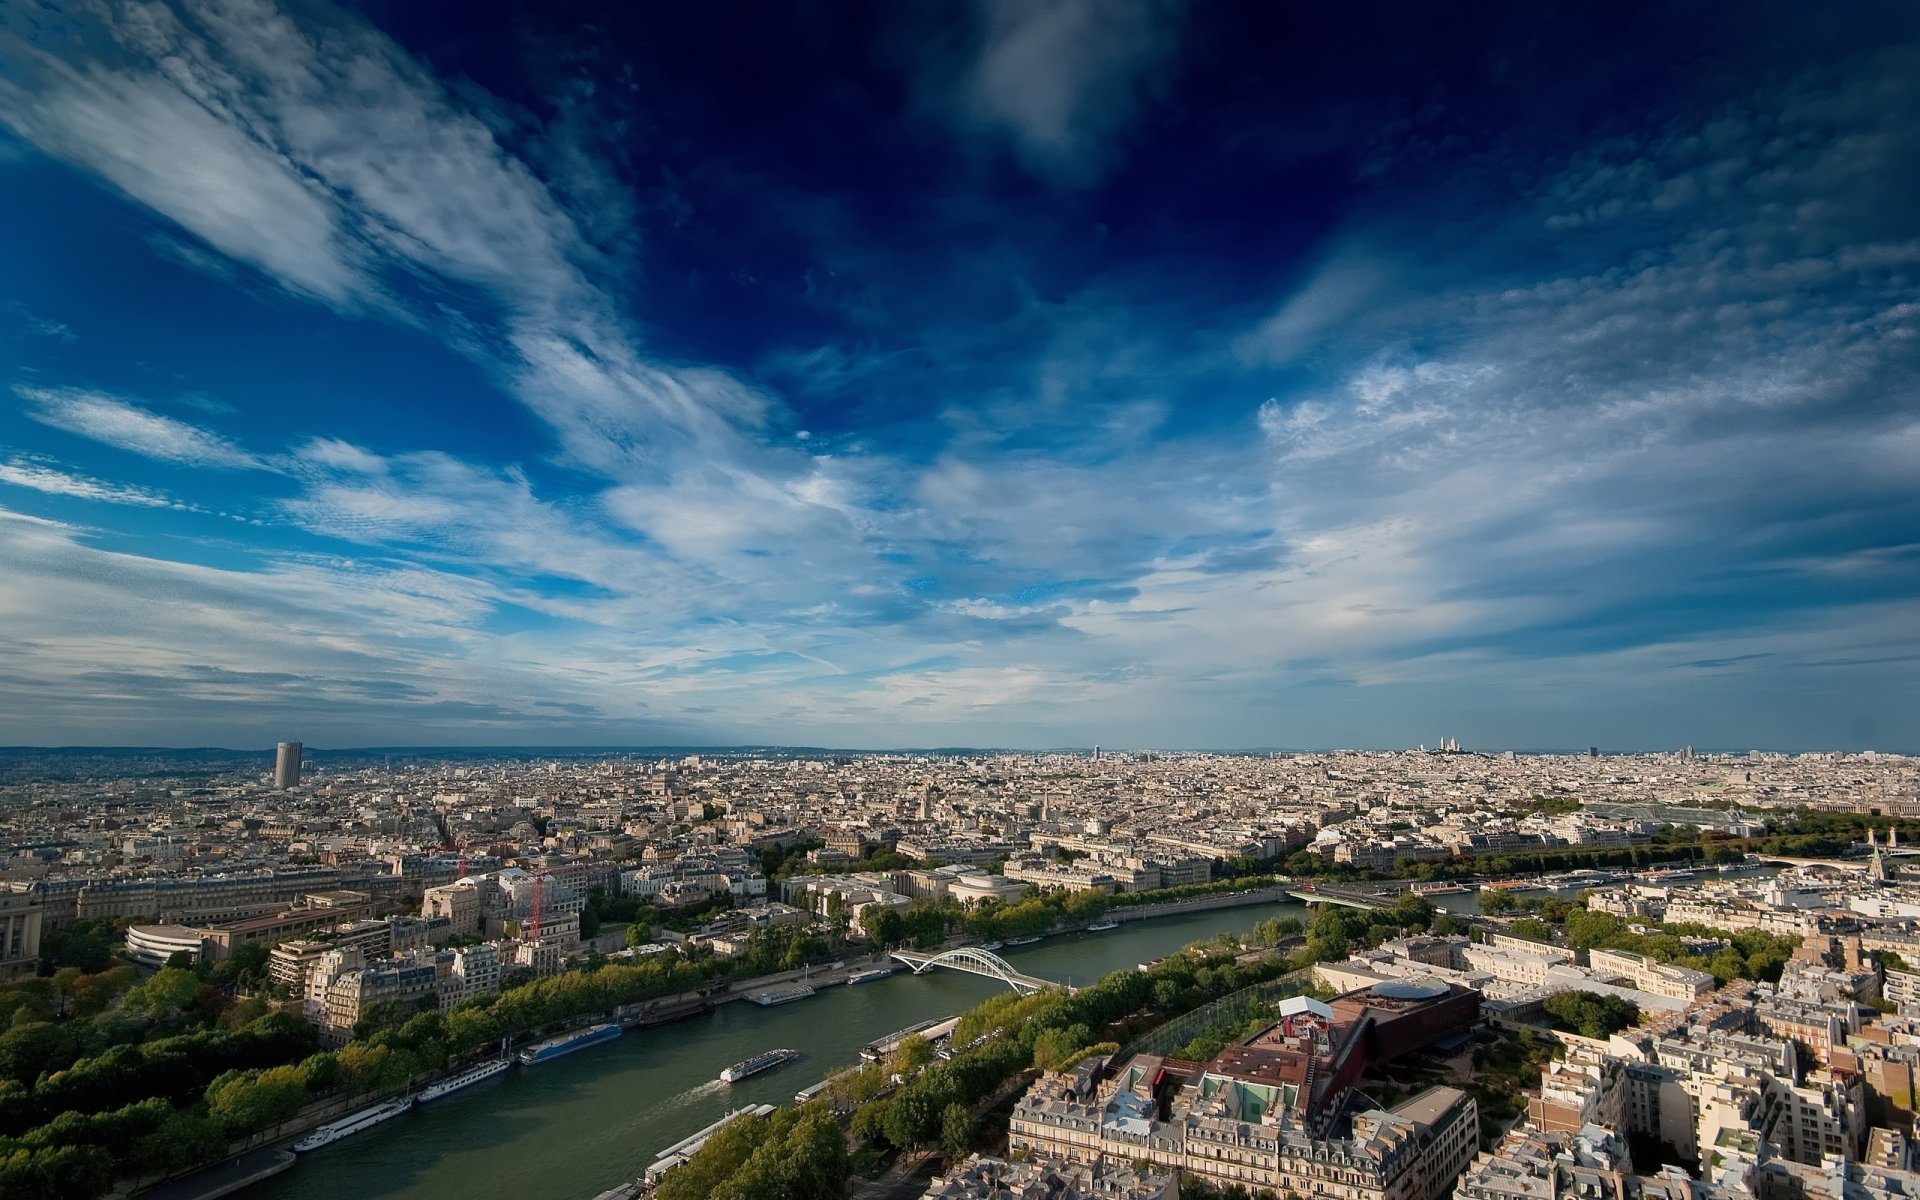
(170,990)
(27,1050)
(912,1054)
(244,1102)
(1590,1014)
(723,1154)
(956,1131)
(884,925)
(1052,1047)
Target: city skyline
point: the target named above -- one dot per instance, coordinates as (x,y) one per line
(993,375)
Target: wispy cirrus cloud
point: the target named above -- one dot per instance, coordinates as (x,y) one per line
(43,327)
(119,423)
(27,474)
(1641,421)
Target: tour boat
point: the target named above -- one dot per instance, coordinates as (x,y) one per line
(748,1067)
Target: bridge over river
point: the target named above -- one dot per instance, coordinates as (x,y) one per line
(975,961)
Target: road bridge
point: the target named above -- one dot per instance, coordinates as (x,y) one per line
(975,961)
(1345,897)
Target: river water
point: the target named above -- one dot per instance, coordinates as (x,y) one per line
(576,1126)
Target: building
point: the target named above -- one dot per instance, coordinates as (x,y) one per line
(1652,975)
(154,945)
(289,963)
(475,972)
(286,765)
(982,1178)
(21,917)
(1586,1088)
(354,994)
(201,898)
(1278,1111)
(459,903)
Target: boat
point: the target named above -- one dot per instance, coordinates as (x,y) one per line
(567,1043)
(466,1078)
(1514,885)
(765,1061)
(678,1153)
(1676,876)
(868,976)
(877,1050)
(993,945)
(781,995)
(806,1094)
(1022,941)
(1103,926)
(1439,889)
(363,1120)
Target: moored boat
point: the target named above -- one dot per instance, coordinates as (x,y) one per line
(363,1120)
(567,1043)
(467,1078)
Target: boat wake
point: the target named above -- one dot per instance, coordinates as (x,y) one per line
(709,1088)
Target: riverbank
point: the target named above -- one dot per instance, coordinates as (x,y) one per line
(225,1179)
(654,1086)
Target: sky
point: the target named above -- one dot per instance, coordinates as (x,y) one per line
(971,372)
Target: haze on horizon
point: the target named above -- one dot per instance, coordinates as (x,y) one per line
(1011,373)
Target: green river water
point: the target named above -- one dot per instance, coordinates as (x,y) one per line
(571,1128)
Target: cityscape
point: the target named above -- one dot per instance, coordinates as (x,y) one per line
(1370,975)
(959,600)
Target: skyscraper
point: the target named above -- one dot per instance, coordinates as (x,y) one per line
(286,765)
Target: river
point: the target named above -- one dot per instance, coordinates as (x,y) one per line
(581,1124)
(572,1128)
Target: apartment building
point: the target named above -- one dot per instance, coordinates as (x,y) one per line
(1651,975)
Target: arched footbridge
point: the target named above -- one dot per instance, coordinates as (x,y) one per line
(975,961)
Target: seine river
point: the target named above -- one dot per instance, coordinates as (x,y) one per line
(578,1125)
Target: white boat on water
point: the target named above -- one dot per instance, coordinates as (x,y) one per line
(748,1067)
(1103,926)
(466,1078)
(359,1122)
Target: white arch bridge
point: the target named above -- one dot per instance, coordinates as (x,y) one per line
(975,961)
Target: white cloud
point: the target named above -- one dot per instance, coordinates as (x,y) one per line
(1336,292)
(192,165)
(21,473)
(1062,79)
(343,456)
(126,426)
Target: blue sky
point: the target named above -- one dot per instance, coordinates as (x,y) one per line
(990,373)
